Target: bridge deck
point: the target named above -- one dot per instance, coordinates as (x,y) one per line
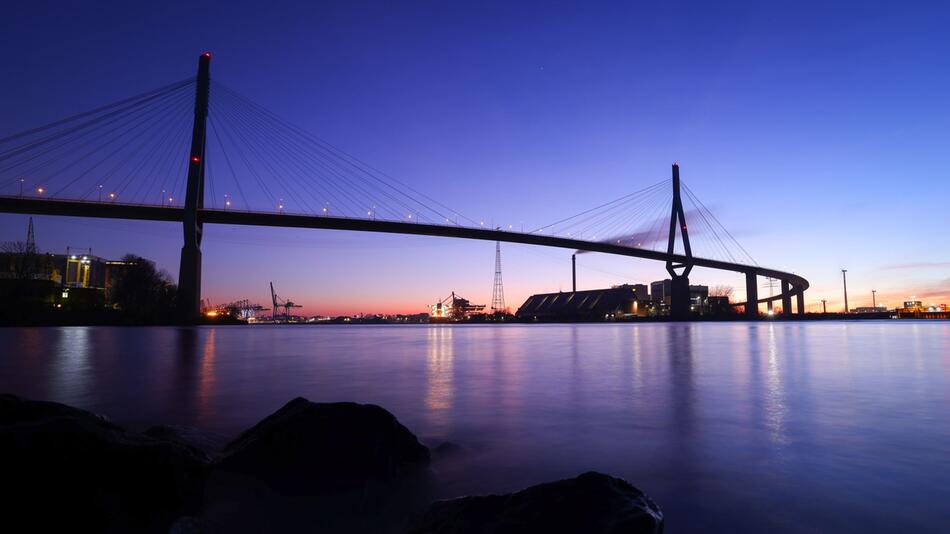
(78,208)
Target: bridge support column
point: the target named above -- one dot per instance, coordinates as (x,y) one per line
(189,270)
(800,303)
(786,298)
(679,297)
(751,296)
(574,273)
(189,284)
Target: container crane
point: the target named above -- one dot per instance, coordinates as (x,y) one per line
(286,304)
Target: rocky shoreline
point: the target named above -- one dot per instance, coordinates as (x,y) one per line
(308,467)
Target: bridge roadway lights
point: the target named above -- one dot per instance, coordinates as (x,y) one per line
(752,296)
(786,299)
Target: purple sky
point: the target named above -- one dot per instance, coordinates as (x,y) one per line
(816,133)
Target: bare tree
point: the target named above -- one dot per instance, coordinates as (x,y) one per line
(24,262)
(721,291)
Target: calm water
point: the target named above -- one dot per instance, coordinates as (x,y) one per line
(791,427)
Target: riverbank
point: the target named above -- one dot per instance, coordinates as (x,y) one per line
(114,318)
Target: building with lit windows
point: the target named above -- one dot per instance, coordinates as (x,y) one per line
(85,270)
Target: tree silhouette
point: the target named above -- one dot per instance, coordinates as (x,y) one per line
(143,293)
(24,262)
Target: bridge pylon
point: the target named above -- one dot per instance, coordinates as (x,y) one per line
(751,295)
(786,298)
(679,272)
(189,272)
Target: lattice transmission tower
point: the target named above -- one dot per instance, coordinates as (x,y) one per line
(498,293)
(30,240)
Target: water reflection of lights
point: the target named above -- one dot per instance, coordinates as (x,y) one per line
(73,370)
(638,379)
(206,378)
(775,410)
(439,360)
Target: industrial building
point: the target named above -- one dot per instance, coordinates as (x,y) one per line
(623,301)
(590,305)
(74,271)
(454,308)
(915,309)
(84,270)
(661,294)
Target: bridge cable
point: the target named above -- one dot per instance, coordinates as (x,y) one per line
(28,146)
(335,171)
(107,107)
(713,216)
(595,208)
(293,158)
(89,134)
(227,160)
(162,127)
(352,161)
(123,135)
(255,149)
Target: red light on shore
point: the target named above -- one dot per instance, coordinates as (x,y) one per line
(195,159)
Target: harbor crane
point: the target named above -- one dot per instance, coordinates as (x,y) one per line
(286,304)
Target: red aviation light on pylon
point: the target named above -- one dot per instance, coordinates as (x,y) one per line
(195,159)
(207,55)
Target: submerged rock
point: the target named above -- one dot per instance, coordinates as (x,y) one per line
(315,448)
(70,470)
(592,503)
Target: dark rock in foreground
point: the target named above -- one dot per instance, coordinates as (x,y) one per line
(69,470)
(334,467)
(201,442)
(591,503)
(315,448)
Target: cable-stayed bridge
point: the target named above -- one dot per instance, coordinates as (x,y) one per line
(179,154)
